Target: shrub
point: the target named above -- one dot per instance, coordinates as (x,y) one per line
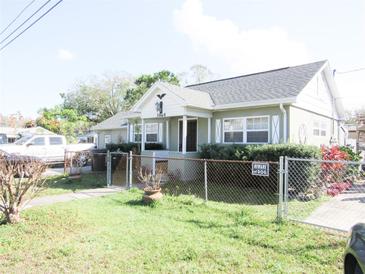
(125,147)
(267,152)
(153,146)
(258,152)
(21,178)
(352,155)
(135,147)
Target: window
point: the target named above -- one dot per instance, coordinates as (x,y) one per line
(55,141)
(151,133)
(137,133)
(319,129)
(233,130)
(38,141)
(257,130)
(107,139)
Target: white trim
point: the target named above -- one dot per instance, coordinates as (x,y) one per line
(178,133)
(287,100)
(209,130)
(160,132)
(245,130)
(167,135)
(143,140)
(184,133)
(218,131)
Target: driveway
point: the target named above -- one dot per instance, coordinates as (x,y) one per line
(342,211)
(79,195)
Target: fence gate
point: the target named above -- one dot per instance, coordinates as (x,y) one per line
(117,169)
(328,194)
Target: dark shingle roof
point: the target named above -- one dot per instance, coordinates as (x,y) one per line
(273,84)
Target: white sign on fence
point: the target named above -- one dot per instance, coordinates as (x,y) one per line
(260,169)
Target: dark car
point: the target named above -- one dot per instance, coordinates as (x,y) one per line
(354,262)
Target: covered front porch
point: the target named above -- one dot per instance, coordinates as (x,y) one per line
(177,136)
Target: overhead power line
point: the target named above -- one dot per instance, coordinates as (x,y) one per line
(34,22)
(22,24)
(349,71)
(16,17)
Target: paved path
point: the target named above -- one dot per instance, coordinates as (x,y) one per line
(342,211)
(79,195)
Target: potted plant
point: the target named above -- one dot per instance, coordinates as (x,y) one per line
(152,184)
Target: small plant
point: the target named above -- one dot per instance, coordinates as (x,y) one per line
(20,180)
(151,181)
(152,184)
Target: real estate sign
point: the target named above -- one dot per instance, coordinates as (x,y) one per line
(260,168)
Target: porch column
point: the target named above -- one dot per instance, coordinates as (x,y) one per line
(209,130)
(167,135)
(143,135)
(128,133)
(184,134)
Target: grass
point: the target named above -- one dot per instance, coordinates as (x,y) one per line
(63,184)
(118,233)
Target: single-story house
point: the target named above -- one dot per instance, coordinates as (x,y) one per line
(298,104)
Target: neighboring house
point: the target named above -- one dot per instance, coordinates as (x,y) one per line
(298,104)
(356,136)
(15,133)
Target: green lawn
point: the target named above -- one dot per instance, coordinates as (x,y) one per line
(118,234)
(63,184)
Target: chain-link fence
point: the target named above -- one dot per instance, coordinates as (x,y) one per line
(329,194)
(212,180)
(88,166)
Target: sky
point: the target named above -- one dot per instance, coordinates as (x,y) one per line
(80,39)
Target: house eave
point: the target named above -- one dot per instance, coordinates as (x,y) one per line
(261,103)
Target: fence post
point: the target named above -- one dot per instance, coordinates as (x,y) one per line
(126,169)
(286,182)
(206,180)
(154,163)
(108,168)
(130,169)
(281,188)
(64,162)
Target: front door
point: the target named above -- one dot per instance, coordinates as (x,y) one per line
(191,138)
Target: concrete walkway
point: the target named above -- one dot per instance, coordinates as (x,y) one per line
(342,211)
(79,195)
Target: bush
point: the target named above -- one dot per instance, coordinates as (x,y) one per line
(125,147)
(258,152)
(153,146)
(135,147)
(21,178)
(352,155)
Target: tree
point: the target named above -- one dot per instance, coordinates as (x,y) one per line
(197,74)
(63,121)
(20,179)
(144,82)
(99,99)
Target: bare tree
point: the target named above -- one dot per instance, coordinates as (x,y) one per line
(20,180)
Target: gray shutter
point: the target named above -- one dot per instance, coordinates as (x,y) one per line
(275,129)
